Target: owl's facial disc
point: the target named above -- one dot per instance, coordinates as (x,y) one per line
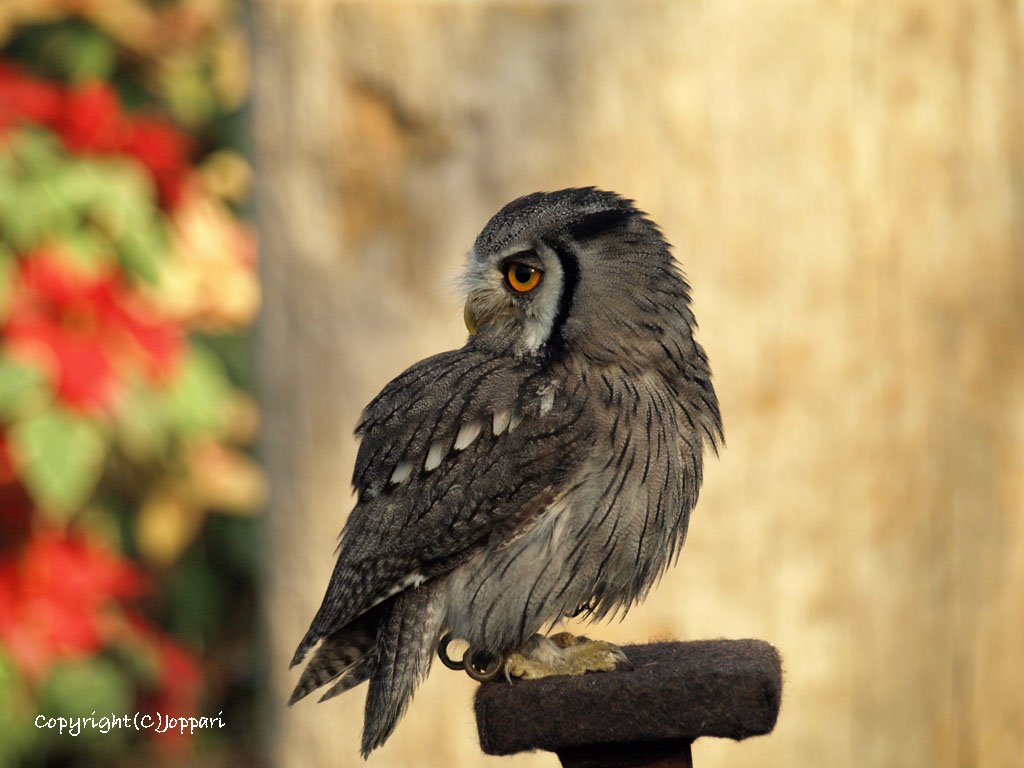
(515,292)
(520,277)
(493,297)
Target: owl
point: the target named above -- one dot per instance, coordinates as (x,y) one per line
(547,467)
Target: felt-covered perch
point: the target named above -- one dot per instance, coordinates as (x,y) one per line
(644,716)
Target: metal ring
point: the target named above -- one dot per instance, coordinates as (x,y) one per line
(442,653)
(476,665)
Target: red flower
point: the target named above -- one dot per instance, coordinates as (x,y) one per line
(164,151)
(65,597)
(178,679)
(92,120)
(86,331)
(26,98)
(180,683)
(61,599)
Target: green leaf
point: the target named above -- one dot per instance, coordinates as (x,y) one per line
(62,455)
(102,208)
(11,225)
(8,672)
(36,152)
(8,269)
(142,430)
(18,217)
(235,350)
(85,691)
(82,183)
(141,248)
(21,389)
(127,191)
(16,730)
(238,543)
(196,601)
(87,53)
(36,215)
(195,401)
(140,663)
(29,210)
(77,688)
(126,212)
(57,216)
(87,247)
(185,84)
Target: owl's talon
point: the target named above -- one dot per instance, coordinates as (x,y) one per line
(563,654)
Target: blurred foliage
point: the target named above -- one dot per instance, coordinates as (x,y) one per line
(129,548)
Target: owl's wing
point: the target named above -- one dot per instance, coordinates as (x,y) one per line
(457,452)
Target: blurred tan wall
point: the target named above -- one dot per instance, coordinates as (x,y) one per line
(844,184)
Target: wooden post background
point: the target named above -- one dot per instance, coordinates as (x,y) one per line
(844,184)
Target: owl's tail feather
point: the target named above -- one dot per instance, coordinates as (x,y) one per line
(351,594)
(406,645)
(346,654)
(332,660)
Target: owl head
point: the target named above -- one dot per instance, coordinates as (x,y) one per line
(579,270)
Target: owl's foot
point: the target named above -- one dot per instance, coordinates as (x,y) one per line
(562,654)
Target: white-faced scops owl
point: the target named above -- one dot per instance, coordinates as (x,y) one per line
(547,467)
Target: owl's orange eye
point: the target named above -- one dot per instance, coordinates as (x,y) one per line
(521,277)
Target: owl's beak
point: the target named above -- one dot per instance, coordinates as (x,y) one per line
(469,317)
(480,310)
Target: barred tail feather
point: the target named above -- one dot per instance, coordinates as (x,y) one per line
(331,661)
(350,678)
(345,654)
(405,648)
